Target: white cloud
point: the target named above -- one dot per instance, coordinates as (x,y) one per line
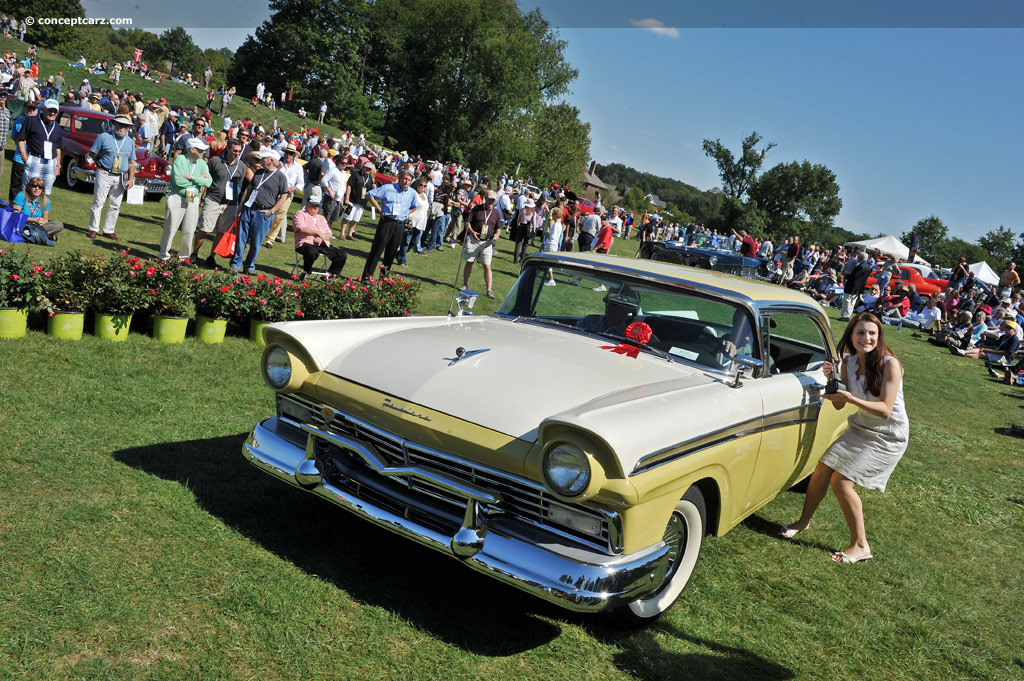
(655,26)
(689,145)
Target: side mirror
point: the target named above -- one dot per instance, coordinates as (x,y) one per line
(741,363)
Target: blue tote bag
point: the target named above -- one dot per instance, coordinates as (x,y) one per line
(11,224)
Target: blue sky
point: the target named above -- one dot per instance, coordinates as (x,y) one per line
(913,121)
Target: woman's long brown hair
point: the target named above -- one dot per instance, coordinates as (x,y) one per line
(874,363)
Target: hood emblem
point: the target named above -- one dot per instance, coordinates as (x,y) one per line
(463,353)
(397,407)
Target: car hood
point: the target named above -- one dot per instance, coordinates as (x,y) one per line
(512,376)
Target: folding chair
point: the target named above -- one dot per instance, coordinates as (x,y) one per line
(322,261)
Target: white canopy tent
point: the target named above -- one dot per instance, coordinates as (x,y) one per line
(889,245)
(984,273)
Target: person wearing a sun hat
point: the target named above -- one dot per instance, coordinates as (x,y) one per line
(114,156)
(39,143)
(189,175)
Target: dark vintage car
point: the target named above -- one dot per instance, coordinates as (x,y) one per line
(80,127)
(706,257)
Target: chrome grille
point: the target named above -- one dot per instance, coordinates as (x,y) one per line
(521,498)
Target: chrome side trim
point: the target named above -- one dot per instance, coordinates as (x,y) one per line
(584,581)
(779,419)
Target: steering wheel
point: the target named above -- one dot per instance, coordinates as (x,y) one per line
(708,347)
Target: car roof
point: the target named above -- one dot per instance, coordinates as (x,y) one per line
(752,291)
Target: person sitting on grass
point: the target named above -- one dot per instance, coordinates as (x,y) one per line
(36,205)
(869,300)
(1005,349)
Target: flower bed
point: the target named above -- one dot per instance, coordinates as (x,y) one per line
(122,284)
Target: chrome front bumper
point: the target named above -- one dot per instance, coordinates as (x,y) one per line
(569,576)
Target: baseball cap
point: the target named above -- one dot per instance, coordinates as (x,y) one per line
(315,196)
(122,119)
(51,104)
(1011,324)
(270,153)
(173,113)
(197,143)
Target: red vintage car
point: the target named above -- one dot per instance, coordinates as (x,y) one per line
(79,128)
(925,279)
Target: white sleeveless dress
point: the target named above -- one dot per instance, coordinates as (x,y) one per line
(869,450)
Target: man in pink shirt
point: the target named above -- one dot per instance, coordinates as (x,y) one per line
(313,237)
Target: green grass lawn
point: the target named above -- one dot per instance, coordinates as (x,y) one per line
(136,543)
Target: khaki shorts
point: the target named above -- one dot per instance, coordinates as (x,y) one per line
(212,210)
(477,251)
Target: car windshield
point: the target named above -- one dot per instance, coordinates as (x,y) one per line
(683,325)
(715,242)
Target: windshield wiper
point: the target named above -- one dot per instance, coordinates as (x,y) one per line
(546,322)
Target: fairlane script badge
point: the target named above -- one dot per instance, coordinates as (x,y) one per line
(391,405)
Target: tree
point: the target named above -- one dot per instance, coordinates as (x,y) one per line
(931,234)
(451,76)
(1000,246)
(560,146)
(61,38)
(797,191)
(176,47)
(318,51)
(738,175)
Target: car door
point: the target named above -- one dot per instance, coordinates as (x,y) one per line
(797,343)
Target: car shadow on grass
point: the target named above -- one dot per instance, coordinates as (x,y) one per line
(370,564)
(642,656)
(771,530)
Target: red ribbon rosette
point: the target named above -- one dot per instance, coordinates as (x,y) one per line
(639,333)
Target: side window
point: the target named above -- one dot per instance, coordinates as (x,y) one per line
(795,343)
(65,121)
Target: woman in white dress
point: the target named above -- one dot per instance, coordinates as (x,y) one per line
(869,450)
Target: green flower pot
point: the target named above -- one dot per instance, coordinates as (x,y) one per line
(112,327)
(66,325)
(169,329)
(13,322)
(256,331)
(209,330)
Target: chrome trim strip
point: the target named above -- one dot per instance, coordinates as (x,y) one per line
(752,426)
(584,582)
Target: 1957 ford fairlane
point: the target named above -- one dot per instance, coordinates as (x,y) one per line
(579,443)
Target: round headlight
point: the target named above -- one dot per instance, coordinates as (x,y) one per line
(712,261)
(277,367)
(567,469)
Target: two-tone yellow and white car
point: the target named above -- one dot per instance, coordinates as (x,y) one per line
(579,443)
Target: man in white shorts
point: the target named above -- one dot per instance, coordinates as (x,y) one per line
(483,230)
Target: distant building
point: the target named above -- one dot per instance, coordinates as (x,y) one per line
(655,201)
(593,184)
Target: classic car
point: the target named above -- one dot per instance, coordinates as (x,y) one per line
(579,443)
(706,256)
(926,281)
(80,127)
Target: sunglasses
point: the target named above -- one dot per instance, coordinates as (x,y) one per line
(36,186)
